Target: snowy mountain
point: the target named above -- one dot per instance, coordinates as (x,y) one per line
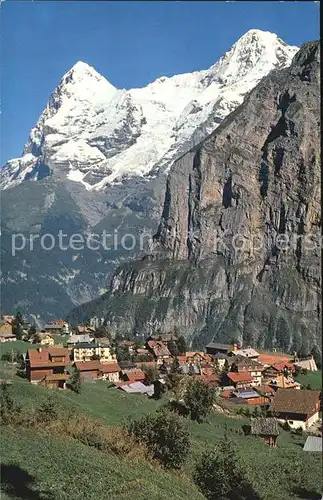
(95,134)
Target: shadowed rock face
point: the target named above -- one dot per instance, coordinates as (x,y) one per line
(236,254)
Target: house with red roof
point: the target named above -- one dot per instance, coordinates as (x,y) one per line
(47,366)
(133,375)
(239,380)
(276,369)
(159,350)
(97,370)
(242,364)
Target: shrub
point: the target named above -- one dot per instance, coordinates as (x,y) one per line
(199,398)
(219,475)
(151,374)
(47,411)
(299,431)
(10,412)
(165,435)
(13,356)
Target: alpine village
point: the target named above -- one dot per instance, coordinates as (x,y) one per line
(161,244)
(247,398)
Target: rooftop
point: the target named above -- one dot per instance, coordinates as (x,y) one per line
(284,382)
(264,427)
(46,357)
(249,352)
(86,345)
(53,327)
(74,339)
(134,375)
(158,348)
(239,377)
(96,365)
(249,363)
(295,401)
(218,345)
(246,394)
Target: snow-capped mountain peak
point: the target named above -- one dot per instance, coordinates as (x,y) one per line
(93,133)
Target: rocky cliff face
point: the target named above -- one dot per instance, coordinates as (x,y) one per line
(237,251)
(97,159)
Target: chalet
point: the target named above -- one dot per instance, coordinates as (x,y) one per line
(97,370)
(243,364)
(248,352)
(199,358)
(221,361)
(282,382)
(109,371)
(239,380)
(159,350)
(63,324)
(76,339)
(87,351)
(273,371)
(163,337)
(267,429)
(48,366)
(129,345)
(43,338)
(6,331)
(215,348)
(53,328)
(298,408)
(133,375)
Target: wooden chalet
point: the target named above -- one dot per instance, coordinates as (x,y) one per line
(267,429)
(298,408)
(47,366)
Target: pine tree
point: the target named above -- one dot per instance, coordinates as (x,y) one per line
(17,323)
(75,380)
(181,345)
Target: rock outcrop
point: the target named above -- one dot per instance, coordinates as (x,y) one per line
(236,254)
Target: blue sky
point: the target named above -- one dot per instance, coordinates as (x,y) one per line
(130,43)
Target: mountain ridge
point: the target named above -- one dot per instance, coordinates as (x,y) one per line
(226,186)
(93,133)
(63,181)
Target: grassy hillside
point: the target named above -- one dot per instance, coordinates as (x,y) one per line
(66,469)
(18,345)
(314,379)
(275,472)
